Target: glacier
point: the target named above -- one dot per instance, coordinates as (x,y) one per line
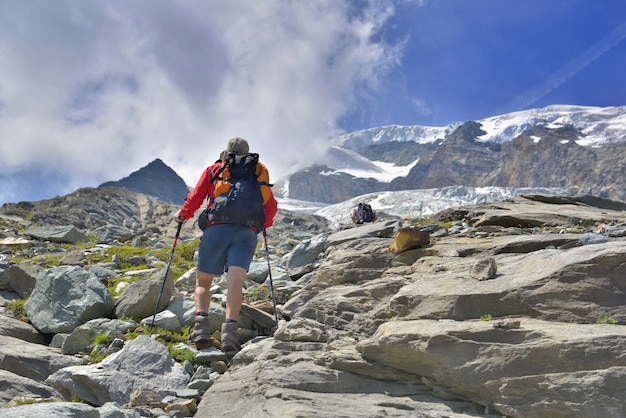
(414,203)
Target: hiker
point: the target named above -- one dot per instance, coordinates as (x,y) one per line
(361,213)
(225,246)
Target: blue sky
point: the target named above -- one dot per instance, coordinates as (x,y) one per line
(91,91)
(465,60)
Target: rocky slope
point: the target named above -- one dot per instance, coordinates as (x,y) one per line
(512,308)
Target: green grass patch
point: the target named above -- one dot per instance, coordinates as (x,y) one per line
(165,336)
(171,339)
(182,253)
(607,320)
(126,251)
(16,307)
(46,260)
(258,293)
(417,222)
(182,354)
(22,400)
(98,353)
(113,282)
(102,339)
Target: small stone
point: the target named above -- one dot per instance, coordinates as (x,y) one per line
(507,324)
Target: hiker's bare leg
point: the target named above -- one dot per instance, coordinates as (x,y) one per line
(202,299)
(235,279)
(202,294)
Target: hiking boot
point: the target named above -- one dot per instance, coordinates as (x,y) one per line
(201,333)
(230,342)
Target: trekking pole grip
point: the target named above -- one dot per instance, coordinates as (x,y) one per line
(178,228)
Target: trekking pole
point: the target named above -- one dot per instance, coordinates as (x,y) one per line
(269,268)
(178,228)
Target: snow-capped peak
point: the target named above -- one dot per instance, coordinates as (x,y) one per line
(597,124)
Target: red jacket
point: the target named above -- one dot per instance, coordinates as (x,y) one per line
(205,189)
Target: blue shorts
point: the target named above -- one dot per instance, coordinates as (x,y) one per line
(225,245)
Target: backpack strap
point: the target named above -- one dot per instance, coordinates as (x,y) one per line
(215,176)
(222,168)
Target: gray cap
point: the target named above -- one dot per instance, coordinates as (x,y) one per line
(238,146)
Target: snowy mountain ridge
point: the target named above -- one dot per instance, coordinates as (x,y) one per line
(597,124)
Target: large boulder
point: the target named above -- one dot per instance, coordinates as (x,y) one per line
(58,233)
(143,363)
(5,264)
(22,278)
(493,366)
(65,297)
(34,361)
(139,299)
(11,327)
(13,385)
(83,335)
(51,409)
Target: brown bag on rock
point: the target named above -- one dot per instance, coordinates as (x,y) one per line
(408,238)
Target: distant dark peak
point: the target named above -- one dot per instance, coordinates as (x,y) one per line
(158,164)
(156,179)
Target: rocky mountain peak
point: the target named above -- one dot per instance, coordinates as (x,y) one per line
(156,179)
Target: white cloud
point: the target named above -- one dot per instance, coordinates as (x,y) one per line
(94,90)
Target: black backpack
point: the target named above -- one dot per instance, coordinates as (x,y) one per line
(243,203)
(365,213)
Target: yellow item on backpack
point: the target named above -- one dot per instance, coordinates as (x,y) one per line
(222,185)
